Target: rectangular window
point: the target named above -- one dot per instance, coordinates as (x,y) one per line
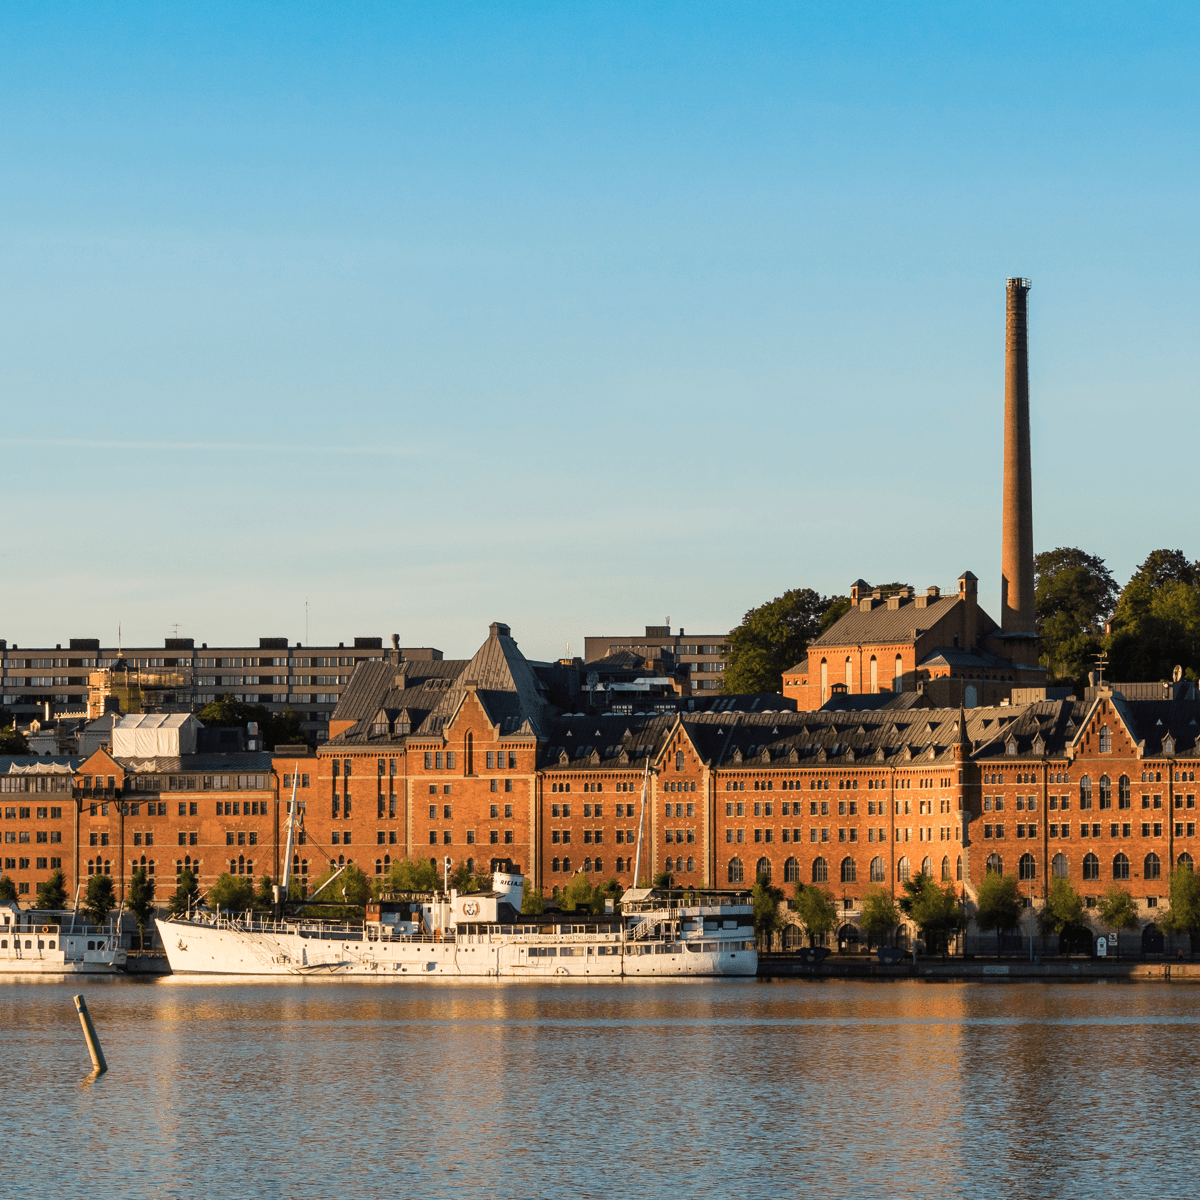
(508,837)
(450,760)
(433,837)
(428,761)
(508,785)
(470,837)
(446,838)
(491,759)
(494,837)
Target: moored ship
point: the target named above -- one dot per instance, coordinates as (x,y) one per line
(30,945)
(658,933)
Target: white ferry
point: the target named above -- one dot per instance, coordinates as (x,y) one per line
(475,935)
(29,945)
(431,936)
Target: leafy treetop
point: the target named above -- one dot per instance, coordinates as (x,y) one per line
(774,637)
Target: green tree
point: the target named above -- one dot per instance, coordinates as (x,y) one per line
(768,920)
(773,638)
(533,903)
(1156,625)
(12,741)
(815,911)
(350,890)
(8,890)
(1117,909)
(264,897)
(52,894)
(1062,911)
(934,910)
(998,903)
(879,914)
(100,900)
(662,879)
(1074,593)
(413,875)
(187,893)
(1184,914)
(231,893)
(140,900)
(576,895)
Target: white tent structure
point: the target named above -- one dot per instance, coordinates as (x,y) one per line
(155,735)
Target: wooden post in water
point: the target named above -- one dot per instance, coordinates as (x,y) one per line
(89,1033)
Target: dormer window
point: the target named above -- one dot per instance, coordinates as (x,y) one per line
(1168,745)
(1105,740)
(1011,748)
(379,729)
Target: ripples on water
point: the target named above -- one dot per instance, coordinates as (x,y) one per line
(706,1089)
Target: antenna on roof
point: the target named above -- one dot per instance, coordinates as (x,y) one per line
(1101,663)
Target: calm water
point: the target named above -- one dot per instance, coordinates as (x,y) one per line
(323,1089)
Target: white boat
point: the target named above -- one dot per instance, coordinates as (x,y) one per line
(31,945)
(462,935)
(658,933)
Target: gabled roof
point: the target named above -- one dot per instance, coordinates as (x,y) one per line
(884,625)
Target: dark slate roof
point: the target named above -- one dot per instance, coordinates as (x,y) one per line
(883,624)
(767,740)
(498,666)
(373,686)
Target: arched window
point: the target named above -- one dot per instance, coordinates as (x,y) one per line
(824,680)
(958,869)
(1105,740)
(587,864)
(470,865)
(567,865)
(1091,867)
(1059,867)
(902,870)
(820,871)
(849,673)
(379,866)
(995,865)
(735,870)
(1027,867)
(1120,867)
(1124,799)
(1152,867)
(1185,860)
(387,864)
(620,865)
(679,760)
(791,871)
(927,867)
(678,863)
(1085,792)
(946,868)
(762,869)
(878,870)
(874,675)
(849,871)
(1105,792)
(898,676)
(970,696)
(691,864)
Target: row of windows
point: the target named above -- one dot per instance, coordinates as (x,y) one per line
(43,864)
(447,838)
(13,836)
(21,813)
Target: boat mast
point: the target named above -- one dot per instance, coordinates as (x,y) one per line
(281,889)
(637,864)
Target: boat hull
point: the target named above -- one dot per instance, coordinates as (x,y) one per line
(201,949)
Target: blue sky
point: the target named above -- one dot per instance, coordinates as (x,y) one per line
(576,316)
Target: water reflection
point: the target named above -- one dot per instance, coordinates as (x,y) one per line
(323,1088)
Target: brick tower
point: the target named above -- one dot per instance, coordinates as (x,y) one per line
(1018,620)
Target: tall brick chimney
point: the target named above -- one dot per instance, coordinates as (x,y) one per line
(1017,613)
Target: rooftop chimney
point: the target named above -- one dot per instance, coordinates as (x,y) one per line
(1016,565)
